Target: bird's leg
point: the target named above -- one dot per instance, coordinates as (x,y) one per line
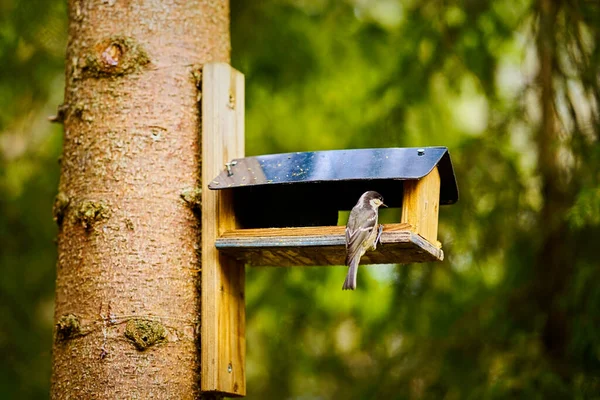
(378,238)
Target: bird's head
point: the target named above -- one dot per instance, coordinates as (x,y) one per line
(374,199)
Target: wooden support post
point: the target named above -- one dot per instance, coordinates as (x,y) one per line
(223,341)
(420,205)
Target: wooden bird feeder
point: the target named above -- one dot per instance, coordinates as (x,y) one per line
(282,210)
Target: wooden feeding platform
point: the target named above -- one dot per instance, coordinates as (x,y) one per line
(281,210)
(309,246)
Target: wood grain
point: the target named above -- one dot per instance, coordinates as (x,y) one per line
(421,203)
(325,245)
(223,308)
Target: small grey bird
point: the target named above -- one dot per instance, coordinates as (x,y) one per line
(362,233)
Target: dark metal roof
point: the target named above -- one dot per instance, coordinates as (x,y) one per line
(358,166)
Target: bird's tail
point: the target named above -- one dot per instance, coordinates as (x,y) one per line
(350,282)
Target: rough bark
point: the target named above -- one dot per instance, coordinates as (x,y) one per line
(127,300)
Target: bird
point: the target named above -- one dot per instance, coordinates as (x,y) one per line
(362,233)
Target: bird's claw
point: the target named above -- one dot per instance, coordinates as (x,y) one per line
(378,238)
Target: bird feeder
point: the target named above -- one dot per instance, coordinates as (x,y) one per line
(282,210)
(287,204)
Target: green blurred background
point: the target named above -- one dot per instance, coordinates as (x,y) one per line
(513,311)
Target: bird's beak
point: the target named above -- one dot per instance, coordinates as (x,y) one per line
(383,205)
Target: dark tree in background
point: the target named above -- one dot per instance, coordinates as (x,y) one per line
(510,86)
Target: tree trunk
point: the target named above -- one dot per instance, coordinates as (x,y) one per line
(127,298)
(554,264)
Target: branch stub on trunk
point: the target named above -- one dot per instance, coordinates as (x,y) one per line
(115,56)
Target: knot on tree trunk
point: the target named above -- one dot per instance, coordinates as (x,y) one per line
(114,56)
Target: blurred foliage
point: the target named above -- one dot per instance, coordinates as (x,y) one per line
(514,310)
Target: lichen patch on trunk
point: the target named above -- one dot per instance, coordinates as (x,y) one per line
(88,212)
(68,327)
(59,208)
(145,333)
(192,197)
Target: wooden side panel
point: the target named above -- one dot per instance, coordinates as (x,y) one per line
(223,308)
(322,245)
(421,203)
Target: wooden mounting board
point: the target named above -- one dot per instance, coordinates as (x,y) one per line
(223,312)
(322,245)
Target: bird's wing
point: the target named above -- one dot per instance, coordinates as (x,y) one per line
(359,227)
